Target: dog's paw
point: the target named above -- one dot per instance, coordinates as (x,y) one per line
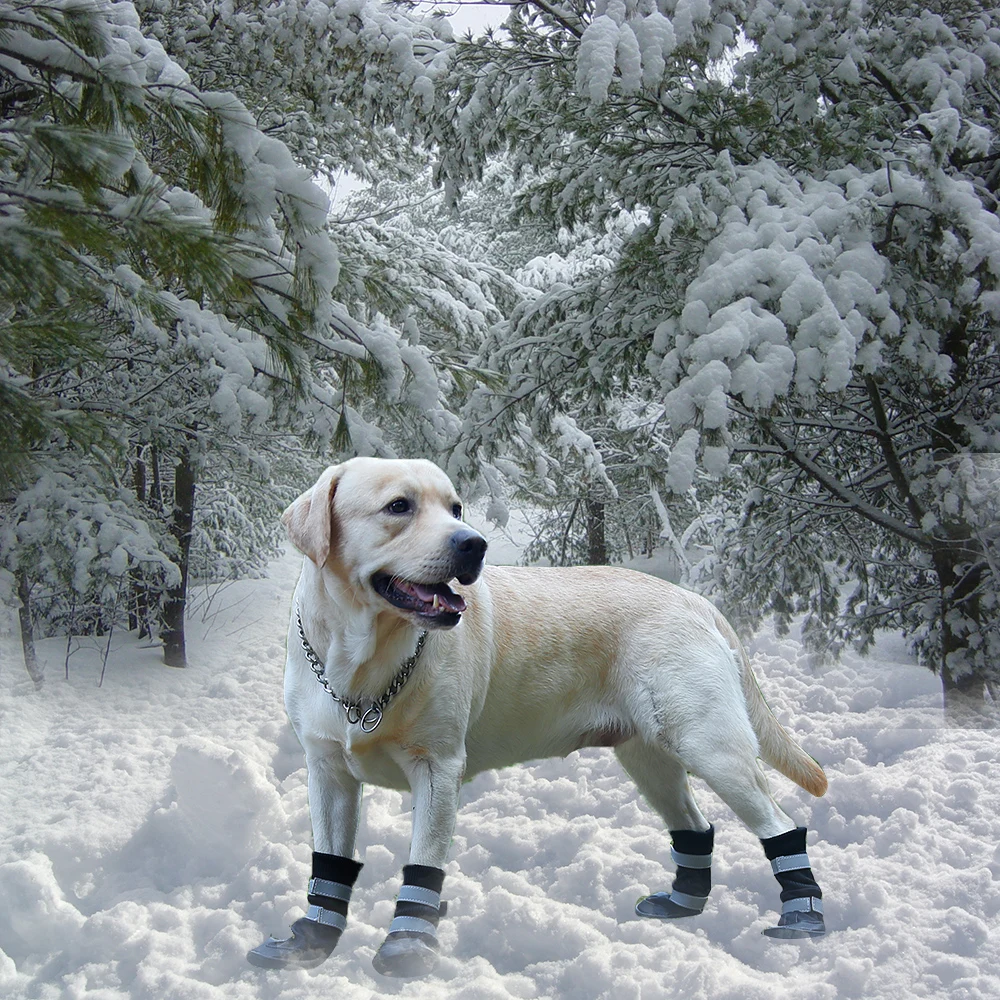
(405,956)
(660,906)
(794,926)
(309,945)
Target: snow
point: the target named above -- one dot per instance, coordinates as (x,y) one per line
(629,59)
(687,13)
(595,65)
(655,35)
(681,464)
(636,46)
(155,828)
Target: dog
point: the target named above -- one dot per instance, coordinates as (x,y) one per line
(413,666)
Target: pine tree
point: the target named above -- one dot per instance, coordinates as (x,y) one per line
(170,336)
(813,293)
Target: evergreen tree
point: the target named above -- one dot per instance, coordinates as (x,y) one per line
(168,315)
(812,295)
(804,311)
(138,243)
(815,290)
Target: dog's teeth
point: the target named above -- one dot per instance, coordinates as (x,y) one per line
(436,602)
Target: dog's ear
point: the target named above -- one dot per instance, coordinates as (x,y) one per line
(309,518)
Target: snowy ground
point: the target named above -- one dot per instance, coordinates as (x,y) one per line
(153,829)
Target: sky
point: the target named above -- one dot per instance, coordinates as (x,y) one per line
(471,16)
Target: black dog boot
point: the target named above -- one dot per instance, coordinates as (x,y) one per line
(315,935)
(692,853)
(801,897)
(410,948)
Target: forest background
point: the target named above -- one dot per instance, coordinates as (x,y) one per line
(715,275)
(706,287)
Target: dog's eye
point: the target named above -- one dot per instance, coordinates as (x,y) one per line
(456,510)
(399,506)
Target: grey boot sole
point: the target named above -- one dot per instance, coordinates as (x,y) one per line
(405,957)
(309,945)
(271,955)
(660,906)
(793,926)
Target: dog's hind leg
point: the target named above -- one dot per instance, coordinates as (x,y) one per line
(663,781)
(334,806)
(727,762)
(691,712)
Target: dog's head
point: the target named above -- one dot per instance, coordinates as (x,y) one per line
(392,531)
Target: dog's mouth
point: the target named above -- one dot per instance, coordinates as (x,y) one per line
(436,603)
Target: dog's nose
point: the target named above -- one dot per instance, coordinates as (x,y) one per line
(469,545)
(469,548)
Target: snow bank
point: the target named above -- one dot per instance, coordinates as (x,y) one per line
(152,830)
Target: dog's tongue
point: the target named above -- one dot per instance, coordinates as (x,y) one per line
(447,598)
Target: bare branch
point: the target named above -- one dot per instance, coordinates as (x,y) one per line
(889,452)
(843,492)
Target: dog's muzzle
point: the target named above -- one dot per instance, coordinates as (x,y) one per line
(433,601)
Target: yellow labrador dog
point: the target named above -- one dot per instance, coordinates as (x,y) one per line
(412,666)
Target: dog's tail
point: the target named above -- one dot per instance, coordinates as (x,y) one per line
(776,746)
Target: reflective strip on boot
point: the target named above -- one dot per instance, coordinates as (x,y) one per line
(691,860)
(332,890)
(686,900)
(329,918)
(790,863)
(804,904)
(418,894)
(413,924)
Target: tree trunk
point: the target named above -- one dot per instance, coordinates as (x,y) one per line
(172,633)
(968,691)
(949,435)
(155,489)
(35,670)
(965,701)
(597,545)
(138,611)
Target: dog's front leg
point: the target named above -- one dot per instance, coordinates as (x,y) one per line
(334,806)
(410,949)
(334,803)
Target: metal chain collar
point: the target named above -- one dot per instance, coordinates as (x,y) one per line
(370,718)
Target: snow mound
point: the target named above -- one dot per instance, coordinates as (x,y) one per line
(217,816)
(34,908)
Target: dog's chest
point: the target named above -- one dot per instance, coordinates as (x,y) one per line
(375,763)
